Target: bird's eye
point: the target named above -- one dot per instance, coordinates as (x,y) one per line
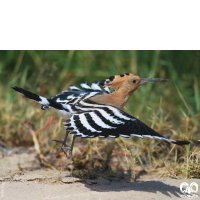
(134,81)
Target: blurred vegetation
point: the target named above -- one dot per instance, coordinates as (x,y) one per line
(172,109)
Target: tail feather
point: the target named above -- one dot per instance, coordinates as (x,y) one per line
(27,94)
(180,142)
(39,99)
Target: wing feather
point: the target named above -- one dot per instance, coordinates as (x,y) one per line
(93,123)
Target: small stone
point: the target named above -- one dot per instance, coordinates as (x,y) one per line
(28,177)
(70,179)
(4,178)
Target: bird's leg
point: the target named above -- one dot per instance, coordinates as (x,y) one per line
(71,148)
(63,147)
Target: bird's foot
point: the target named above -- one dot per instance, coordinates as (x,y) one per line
(65,148)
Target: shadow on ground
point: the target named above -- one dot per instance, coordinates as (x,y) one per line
(152,186)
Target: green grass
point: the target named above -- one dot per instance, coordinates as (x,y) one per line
(172,109)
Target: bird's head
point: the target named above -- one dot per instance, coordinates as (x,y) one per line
(129,82)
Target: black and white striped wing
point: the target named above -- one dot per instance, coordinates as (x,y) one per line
(72,97)
(111,122)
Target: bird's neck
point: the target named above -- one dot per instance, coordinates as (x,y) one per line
(118,98)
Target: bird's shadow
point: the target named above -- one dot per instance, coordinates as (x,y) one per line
(150,186)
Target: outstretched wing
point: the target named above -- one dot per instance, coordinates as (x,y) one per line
(108,121)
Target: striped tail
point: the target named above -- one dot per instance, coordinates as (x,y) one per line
(44,101)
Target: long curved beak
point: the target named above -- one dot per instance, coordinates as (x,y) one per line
(146,80)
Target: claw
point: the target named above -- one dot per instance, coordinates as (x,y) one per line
(63,147)
(65,152)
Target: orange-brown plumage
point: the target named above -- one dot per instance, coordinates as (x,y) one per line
(125,86)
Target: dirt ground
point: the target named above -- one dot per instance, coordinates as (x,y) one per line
(35,183)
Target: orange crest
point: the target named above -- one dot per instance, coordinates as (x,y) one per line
(116,81)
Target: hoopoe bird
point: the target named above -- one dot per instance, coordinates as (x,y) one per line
(91,112)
